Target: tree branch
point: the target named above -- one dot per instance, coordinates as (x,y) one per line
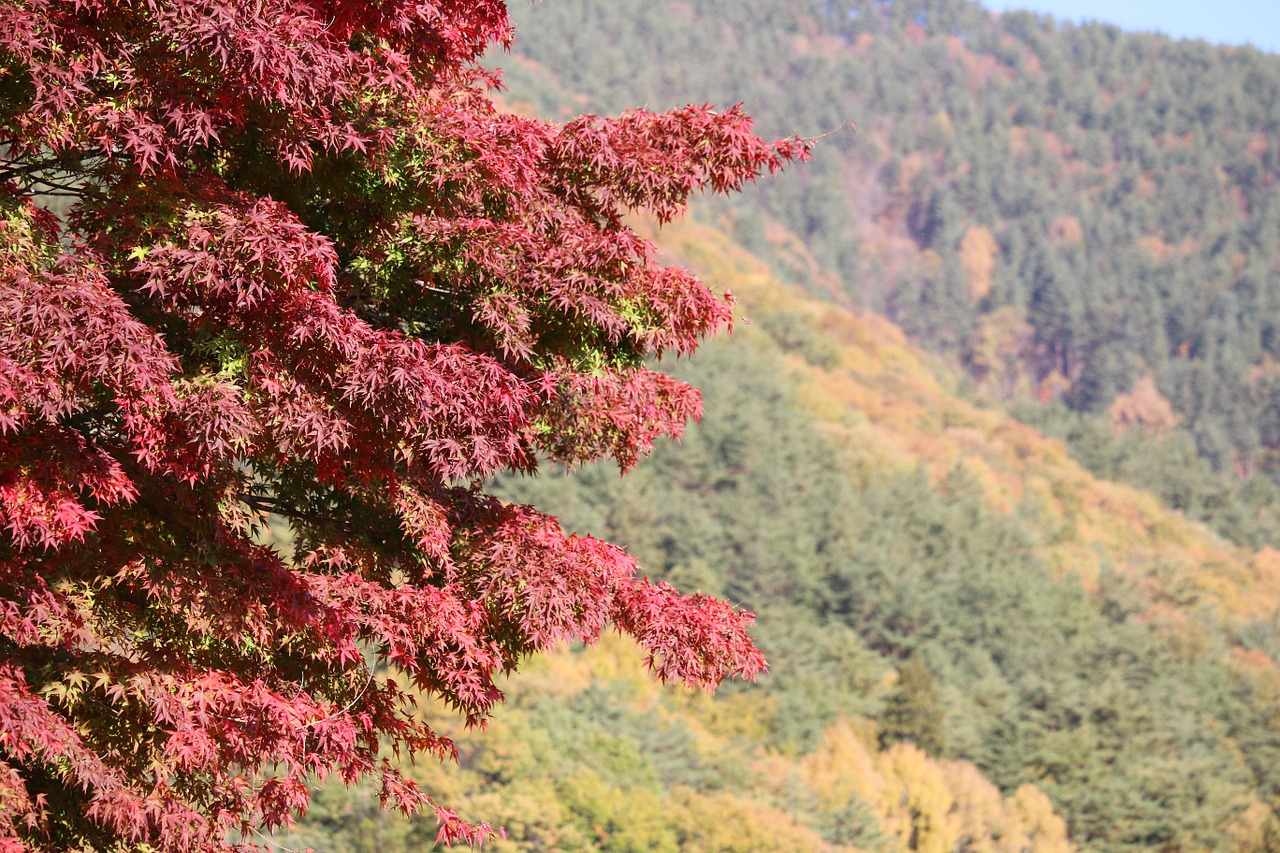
(268,504)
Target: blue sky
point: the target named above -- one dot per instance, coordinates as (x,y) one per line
(1255,22)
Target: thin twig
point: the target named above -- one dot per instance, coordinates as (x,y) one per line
(346,707)
(267,840)
(268,504)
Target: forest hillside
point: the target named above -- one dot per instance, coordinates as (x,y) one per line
(975,642)
(992,452)
(1071,214)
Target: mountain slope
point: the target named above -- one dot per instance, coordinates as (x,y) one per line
(1063,210)
(1065,636)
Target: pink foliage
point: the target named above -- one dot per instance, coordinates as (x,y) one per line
(310,271)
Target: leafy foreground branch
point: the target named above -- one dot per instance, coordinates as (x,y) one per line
(311,266)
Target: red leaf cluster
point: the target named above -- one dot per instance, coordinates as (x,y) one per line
(310,273)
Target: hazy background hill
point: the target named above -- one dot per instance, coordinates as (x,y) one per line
(992,453)
(1070,213)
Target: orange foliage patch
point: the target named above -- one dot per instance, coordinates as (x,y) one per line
(982,67)
(1066,230)
(1142,407)
(913,165)
(1146,186)
(978,250)
(1253,659)
(1161,251)
(1018,142)
(1054,145)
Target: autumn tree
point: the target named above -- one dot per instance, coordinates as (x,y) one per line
(912,710)
(286,260)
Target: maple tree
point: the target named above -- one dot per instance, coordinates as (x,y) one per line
(304,268)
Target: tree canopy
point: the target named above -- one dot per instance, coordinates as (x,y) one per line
(286,261)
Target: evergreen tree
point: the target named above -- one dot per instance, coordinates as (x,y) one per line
(912,711)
